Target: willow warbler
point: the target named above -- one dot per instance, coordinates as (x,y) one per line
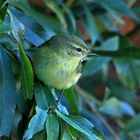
(58,61)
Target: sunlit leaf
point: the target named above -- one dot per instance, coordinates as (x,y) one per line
(81,124)
(36,123)
(34,32)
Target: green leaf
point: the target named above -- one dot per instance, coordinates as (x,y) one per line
(92,66)
(116,108)
(36,123)
(70,96)
(3,9)
(26,67)
(122,92)
(52,127)
(66,135)
(40,136)
(71,21)
(118,6)
(128,72)
(7,94)
(34,32)
(52,4)
(133,126)
(131,52)
(79,123)
(26,76)
(43,96)
(4,29)
(17,119)
(90,25)
(17,28)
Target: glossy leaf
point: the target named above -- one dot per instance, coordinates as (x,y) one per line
(26,67)
(36,123)
(79,123)
(7,94)
(71,98)
(52,127)
(41,96)
(35,34)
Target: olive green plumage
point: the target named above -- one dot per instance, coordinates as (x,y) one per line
(58,61)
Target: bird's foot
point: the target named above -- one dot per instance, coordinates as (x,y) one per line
(52,109)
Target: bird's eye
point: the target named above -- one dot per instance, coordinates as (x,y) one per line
(78,49)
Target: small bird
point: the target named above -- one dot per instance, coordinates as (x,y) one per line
(58,62)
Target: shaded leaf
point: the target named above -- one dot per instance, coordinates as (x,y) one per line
(90,25)
(70,96)
(119,6)
(55,8)
(52,127)
(131,52)
(36,123)
(116,108)
(41,96)
(71,21)
(128,72)
(133,126)
(122,92)
(4,29)
(92,66)
(7,94)
(66,135)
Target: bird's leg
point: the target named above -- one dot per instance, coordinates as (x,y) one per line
(57,102)
(60,97)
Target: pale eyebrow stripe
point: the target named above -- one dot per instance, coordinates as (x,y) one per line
(76,46)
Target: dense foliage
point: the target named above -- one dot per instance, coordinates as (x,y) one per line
(105,103)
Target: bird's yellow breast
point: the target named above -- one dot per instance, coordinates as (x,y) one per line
(61,73)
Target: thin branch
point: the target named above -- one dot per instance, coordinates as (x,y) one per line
(94,110)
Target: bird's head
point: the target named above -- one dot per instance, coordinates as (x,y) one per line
(70,45)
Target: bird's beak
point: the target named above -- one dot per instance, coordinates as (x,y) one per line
(92,54)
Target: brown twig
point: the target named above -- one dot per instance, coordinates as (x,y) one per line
(94,110)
